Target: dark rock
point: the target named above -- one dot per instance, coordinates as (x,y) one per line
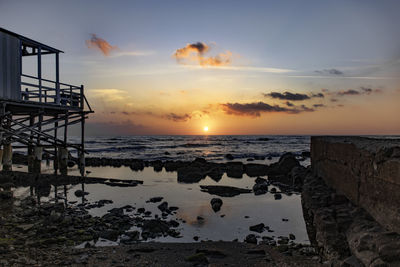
(155,226)
(292,237)
(190,174)
(306,154)
(234,169)
(285,164)
(254,170)
(251,239)
(71,163)
(155,199)
(109,234)
(262,139)
(260,180)
(260,189)
(6,194)
(277,196)
(224,191)
(195,238)
(216,204)
(229,156)
(163,206)
(259,228)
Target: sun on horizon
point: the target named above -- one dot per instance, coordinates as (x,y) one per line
(205,129)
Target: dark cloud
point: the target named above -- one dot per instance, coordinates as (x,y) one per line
(330,72)
(318,105)
(178,118)
(305,108)
(255,109)
(293,96)
(287,96)
(289,104)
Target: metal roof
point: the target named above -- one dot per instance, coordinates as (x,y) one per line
(30,42)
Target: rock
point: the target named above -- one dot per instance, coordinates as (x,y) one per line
(109,234)
(260,180)
(259,228)
(80,193)
(229,156)
(6,194)
(234,169)
(254,170)
(199,218)
(216,204)
(224,191)
(306,154)
(285,164)
(155,199)
(292,237)
(163,206)
(262,139)
(155,226)
(71,163)
(190,174)
(251,239)
(277,196)
(260,189)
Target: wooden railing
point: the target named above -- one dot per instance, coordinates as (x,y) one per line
(51,92)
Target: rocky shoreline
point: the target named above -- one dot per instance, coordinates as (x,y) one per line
(31,230)
(43,234)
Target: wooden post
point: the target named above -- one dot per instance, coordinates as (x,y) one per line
(63,160)
(37,161)
(57,79)
(55,161)
(7,157)
(40,72)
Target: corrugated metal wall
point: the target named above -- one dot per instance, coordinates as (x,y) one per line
(10,67)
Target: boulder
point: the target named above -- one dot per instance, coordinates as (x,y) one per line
(251,239)
(259,228)
(254,170)
(190,174)
(234,169)
(216,204)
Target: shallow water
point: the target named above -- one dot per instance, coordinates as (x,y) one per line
(192,203)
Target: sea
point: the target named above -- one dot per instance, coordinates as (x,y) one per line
(261,148)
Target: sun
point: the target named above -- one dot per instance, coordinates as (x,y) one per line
(205,129)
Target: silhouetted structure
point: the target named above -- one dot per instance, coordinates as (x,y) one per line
(33,109)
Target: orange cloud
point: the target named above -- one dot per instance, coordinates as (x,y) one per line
(195,53)
(100,44)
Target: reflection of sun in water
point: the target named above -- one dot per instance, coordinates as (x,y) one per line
(205,129)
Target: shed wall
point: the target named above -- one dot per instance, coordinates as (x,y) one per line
(10,67)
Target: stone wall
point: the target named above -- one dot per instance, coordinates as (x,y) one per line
(365,170)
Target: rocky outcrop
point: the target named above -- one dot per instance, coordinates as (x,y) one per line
(365,170)
(345,235)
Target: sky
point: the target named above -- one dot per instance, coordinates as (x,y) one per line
(237,67)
